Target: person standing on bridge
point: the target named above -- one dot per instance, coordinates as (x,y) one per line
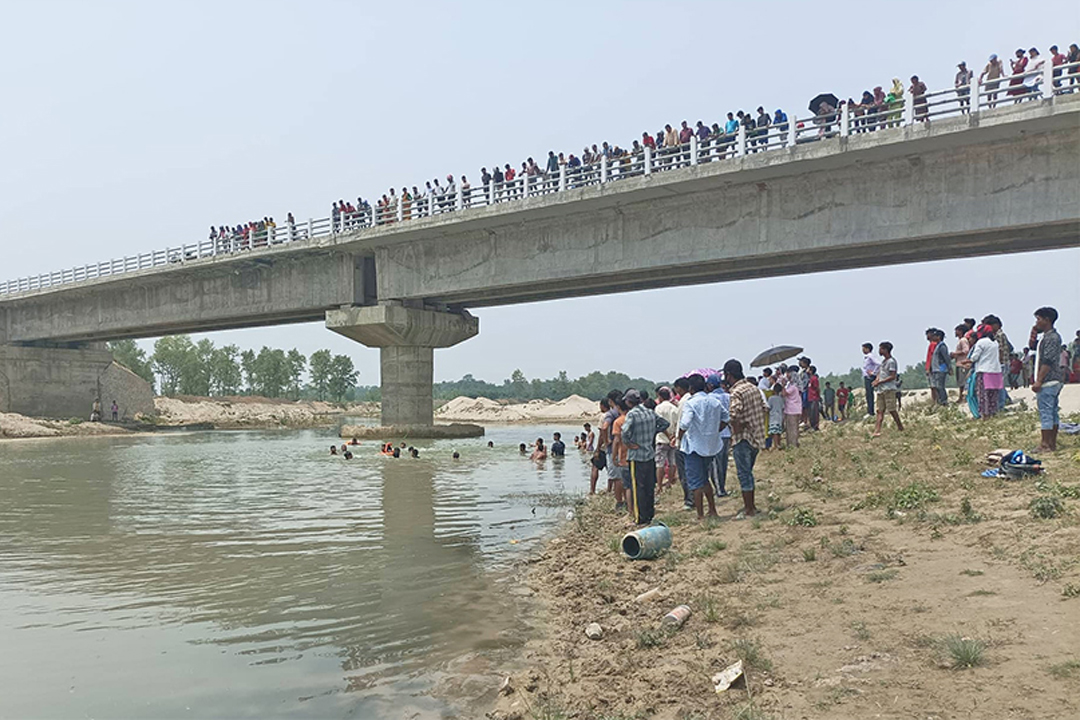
(962,83)
(918,96)
(991,73)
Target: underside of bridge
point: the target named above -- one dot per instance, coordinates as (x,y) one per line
(999,182)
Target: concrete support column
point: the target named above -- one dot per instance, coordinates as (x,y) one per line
(407,338)
(407,373)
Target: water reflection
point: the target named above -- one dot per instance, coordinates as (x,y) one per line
(277,577)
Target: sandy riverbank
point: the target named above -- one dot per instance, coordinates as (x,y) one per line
(575,409)
(15,426)
(228,413)
(231,413)
(876,571)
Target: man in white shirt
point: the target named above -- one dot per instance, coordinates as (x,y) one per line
(869,373)
(699,439)
(765,383)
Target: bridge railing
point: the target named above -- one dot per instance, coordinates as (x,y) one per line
(1044,82)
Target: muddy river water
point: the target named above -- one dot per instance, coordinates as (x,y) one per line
(250,574)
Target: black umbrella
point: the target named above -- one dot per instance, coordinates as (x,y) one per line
(776,354)
(824,98)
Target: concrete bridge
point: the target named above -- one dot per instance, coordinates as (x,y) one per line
(1000,180)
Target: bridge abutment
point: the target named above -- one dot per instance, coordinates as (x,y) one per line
(63,382)
(406,338)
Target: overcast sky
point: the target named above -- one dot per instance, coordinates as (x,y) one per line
(129,126)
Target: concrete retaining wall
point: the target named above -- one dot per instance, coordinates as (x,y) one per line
(63,383)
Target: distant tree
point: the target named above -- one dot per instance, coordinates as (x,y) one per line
(247,364)
(195,379)
(225,377)
(295,363)
(133,357)
(518,385)
(319,370)
(173,361)
(342,377)
(270,372)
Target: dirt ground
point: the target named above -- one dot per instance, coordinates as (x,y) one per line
(884,578)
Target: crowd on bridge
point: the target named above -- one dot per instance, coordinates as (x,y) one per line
(672,147)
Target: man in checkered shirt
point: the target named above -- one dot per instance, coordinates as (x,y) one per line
(749,420)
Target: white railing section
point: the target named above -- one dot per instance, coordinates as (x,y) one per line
(849,119)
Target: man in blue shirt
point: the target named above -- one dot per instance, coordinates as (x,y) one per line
(719,467)
(558,447)
(699,439)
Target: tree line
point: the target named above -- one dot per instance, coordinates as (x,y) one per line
(179,366)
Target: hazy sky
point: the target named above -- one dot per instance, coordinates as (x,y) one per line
(134,125)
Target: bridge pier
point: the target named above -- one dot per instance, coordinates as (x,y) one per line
(63,382)
(406,338)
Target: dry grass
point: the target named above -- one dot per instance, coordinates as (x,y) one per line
(898,534)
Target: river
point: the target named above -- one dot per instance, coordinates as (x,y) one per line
(250,574)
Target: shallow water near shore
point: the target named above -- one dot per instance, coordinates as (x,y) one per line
(250,574)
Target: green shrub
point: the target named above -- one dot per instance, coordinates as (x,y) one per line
(803,517)
(1046,507)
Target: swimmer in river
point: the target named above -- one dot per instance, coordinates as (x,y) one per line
(414,452)
(590,438)
(523,449)
(348,455)
(354,441)
(491,443)
(540,453)
(333,449)
(397,452)
(344,448)
(457,455)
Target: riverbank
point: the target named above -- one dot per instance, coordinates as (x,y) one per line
(876,573)
(245,412)
(224,413)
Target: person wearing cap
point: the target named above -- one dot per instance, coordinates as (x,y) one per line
(699,439)
(962,83)
(991,73)
(639,436)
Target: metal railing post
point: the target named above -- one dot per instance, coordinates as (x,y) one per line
(1048,78)
(562,178)
(741,147)
(909,110)
(648,160)
(693,149)
(793,132)
(845,120)
(491,191)
(525,184)
(459,201)
(603,168)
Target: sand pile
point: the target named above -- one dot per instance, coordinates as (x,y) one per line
(484,410)
(244,412)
